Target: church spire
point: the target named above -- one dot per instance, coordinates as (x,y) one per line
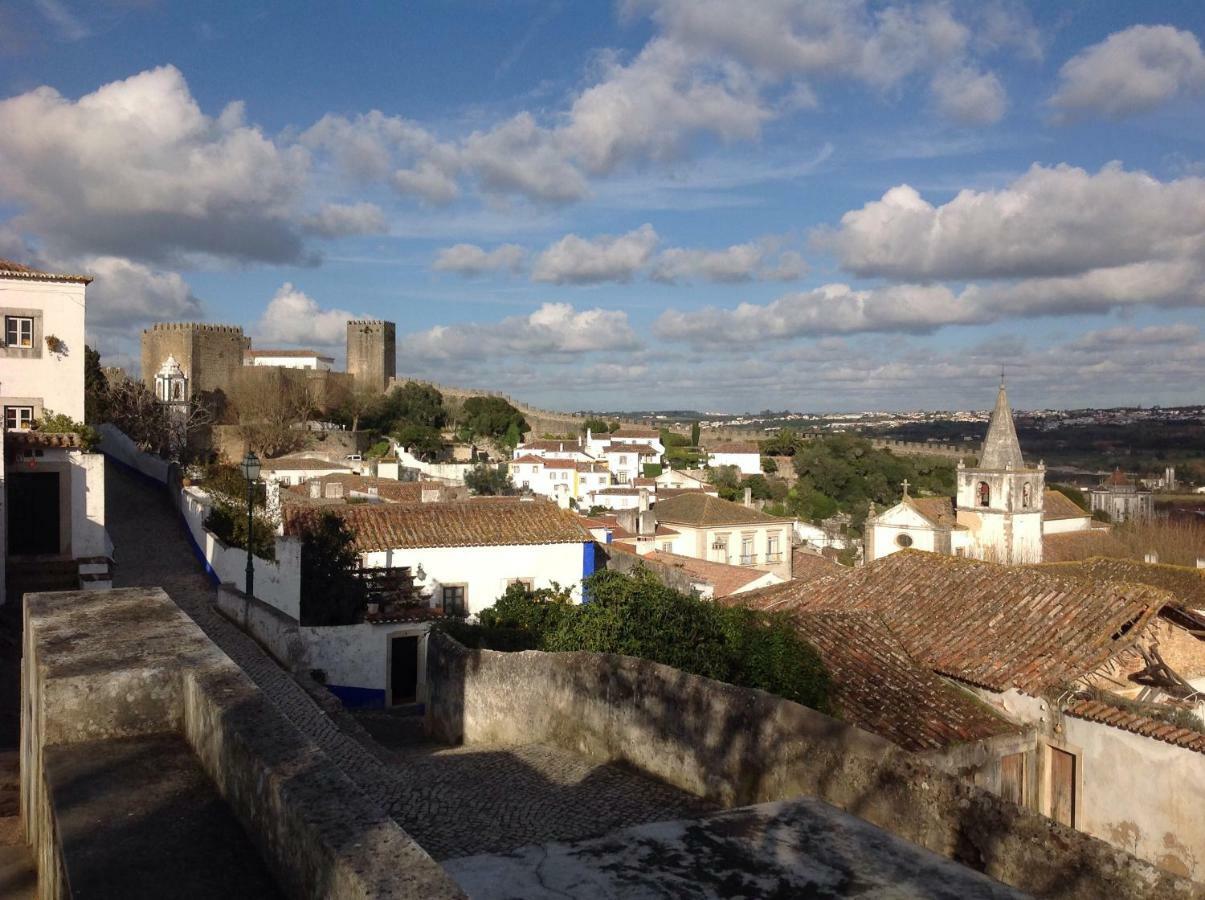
(1001,449)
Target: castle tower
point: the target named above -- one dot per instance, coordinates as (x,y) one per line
(1000,499)
(371,353)
(207,356)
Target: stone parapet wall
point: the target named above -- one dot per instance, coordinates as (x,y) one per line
(741,746)
(129,662)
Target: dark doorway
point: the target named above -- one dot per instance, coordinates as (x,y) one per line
(403,674)
(33,513)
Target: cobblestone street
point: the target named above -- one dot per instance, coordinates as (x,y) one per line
(455,801)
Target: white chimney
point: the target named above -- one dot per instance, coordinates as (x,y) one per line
(1201,562)
(748,496)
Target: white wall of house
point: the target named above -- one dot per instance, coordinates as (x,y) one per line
(699,543)
(613,501)
(320,363)
(1062,526)
(356,659)
(1141,794)
(276,583)
(673,478)
(484,572)
(449,473)
(897,526)
(625,465)
(35,376)
(748,463)
(88,535)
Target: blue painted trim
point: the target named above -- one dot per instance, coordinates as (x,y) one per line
(589,563)
(357,697)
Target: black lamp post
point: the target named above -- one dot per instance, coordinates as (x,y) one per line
(250,467)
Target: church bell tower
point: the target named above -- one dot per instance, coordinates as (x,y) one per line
(1000,498)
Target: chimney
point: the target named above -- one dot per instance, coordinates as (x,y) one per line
(644,500)
(748,496)
(315,488)
(1151,557)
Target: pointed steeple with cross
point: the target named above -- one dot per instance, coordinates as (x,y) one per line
(904,485)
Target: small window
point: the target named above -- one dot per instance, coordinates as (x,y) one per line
(1026,496)
(453,600)
(903,540)
(667,547)
(18,331)
(528,583)
(983,494)
(18,418)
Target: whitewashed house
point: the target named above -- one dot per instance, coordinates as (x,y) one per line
(52,491)
(556,449)
(745,455)
(288,470)
(725,532)
(626,461)
(559,479)
(289,359)
(466,553)
(597,444)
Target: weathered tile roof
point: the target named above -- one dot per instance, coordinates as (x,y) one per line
(1118,479)
(1076,545)
(638,449)
(528,459)
(723,578)
(807,566)
(635,431)
(1185,584)
(33,440)
(461,523)
(881,689)
(300,464)
(10,269)
(735,447)
(1057,505)
(703,510)
(993,626)
(387,488)
(552,446)
(938,510)
(1095,711)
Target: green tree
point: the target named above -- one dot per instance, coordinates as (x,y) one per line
(490,417)
(727,480)
(513,436)
(61,423)
(486,480)
(331,594)
(96,388)
(694,434)
(598,426)
(423,441)
(769,465)
(613,427)
(410,404)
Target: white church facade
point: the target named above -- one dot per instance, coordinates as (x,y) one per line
(1001,512)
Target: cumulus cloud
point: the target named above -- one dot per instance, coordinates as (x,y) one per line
(554,329)
(293,317)
(1131,71)
(346,219)
(135,169)
(740,262)
(127,293)
(969,96)
(1050,221)
(469,259)
(577,260)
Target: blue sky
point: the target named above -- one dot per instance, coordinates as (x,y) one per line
(816,205)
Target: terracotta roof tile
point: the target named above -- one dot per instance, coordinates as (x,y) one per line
(735,447)
(723,578)
(635,431)
(1071,546)
(386,488)
(10,269)
(1057,505)
(300,464)
(462,523)
(994,626)
(1184,584)
(1096,711)
(806,566)
(701,510)
(33,440)
(881,689)
(938,510)
(638,449)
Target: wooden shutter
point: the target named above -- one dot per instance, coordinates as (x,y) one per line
(1012,778)
(1062,786)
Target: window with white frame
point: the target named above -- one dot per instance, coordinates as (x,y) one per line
(747,553)
(18,331)
(18,418)
(772,548)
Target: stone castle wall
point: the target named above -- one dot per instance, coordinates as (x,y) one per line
(210,355)
(372,352)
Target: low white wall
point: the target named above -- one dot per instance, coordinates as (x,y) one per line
(88,534)
(450,472)
(276,583)
(114,443)
(485,571)
(1142,794)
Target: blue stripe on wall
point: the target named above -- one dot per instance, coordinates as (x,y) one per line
(358,698)
(588,566)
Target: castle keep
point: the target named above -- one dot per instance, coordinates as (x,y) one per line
(208,355)
(372,353)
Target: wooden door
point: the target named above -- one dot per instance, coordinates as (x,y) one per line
(403,677)
(1012,778)
(1062,786)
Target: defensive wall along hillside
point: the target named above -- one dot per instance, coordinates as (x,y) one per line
(128,706)
(741,746)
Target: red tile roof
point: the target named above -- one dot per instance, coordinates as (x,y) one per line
(1095,711)
(723,578)
(300,464)
(552,446)
(462,523)
(806,566)
(702,510)
(1057,505)
(938,510)
(1186,585)
(36,440)
(635,431)
(638,449)
(994,626)
(10,269)
(386,488)
(881,689)
(1118,479)
(1071,546)
(735,447)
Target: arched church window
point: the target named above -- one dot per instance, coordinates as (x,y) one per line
(1027,496)
(983,494)
(904,540)
(177,391)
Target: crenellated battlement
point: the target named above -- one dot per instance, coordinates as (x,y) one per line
(203,327)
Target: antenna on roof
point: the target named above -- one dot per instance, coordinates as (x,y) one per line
(1002,376)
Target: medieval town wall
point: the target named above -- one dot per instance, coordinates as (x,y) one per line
(740,746)
(128,663)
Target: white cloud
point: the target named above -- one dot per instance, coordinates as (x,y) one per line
(125,293)
(135,169)
(429,181)
(577,260)
(521,157)
(555,329)
(1050,221)
(68,24)
(469,259)
(969,96)
(346,219)
(740,262)
(293,317)
(1131,71)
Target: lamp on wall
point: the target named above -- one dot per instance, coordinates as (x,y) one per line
(419,573)
(250,466)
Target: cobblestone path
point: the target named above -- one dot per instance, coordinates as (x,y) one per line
(455,801)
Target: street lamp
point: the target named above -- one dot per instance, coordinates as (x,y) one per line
(250,467)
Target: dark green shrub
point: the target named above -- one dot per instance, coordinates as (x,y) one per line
(331,594)
(227,520)
(536,612)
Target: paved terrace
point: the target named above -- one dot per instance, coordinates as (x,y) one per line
(455,801)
